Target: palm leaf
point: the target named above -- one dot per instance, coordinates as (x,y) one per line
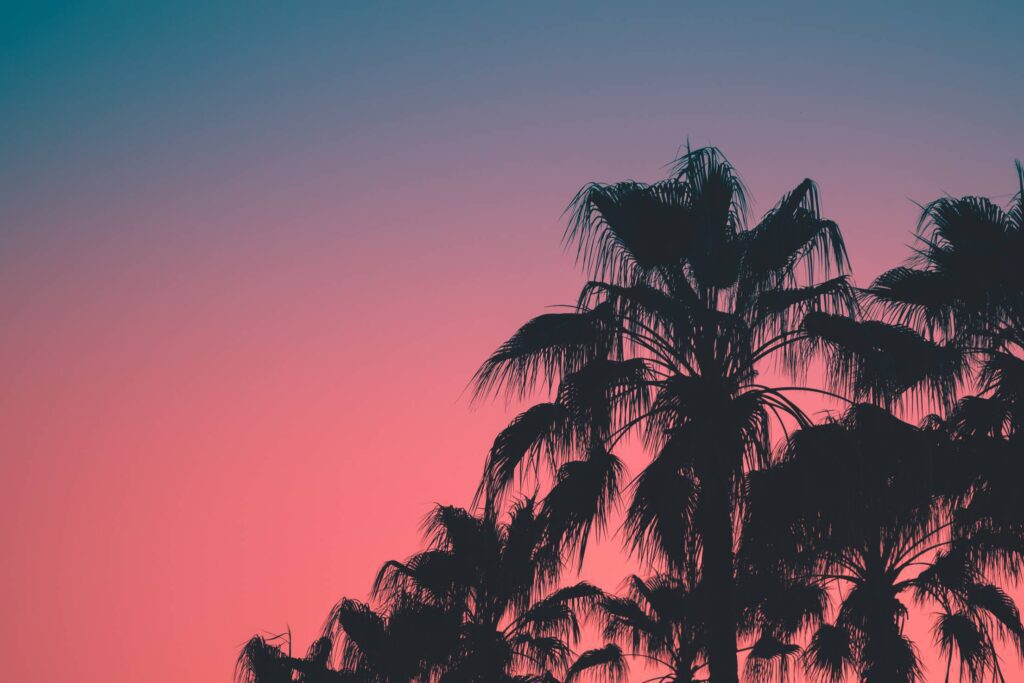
(769,658)
(602,664)
(581,497)
(957,632)
(883,362)
(545,428)
(829,655)
(545,347)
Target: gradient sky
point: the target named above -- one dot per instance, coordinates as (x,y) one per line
(251,253)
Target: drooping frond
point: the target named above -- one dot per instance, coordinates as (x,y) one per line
(659,519)
(436,576)
(882,362)
(956,633)
(783,309)
(991,600)
(542,430)
(781,607)
(708,175)
(890,656)
(1002,376)
(555,614)
(544,348)
(623,620)
(622,231)
(829,655)
(790,234)
(453,528)
(527,562)
(916,298)
(604,393)
(769,658)
(600,664)
(975,416)
(581,498)
(545,652)
(262,662)
(364,631)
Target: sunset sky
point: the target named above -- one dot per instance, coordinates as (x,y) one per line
(251,254)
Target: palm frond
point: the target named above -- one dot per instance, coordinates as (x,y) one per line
(623,230)
(555,614)
(660,515)
(542,430)
(707,173)
(921,299)
(545,652)
(829,655)
(604,393)
(791,233)
(958,633)
(994,602)
(783,309)
(600,664)
(623,620)
(769,658)
(581,498)
(262,662)
(882,362)
(544,348)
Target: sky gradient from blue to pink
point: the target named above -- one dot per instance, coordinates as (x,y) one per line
(251,253)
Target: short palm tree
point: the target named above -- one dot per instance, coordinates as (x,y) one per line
(686,308)
(663,622)
(264,660)
(410,642)
(498,579)
(867,505)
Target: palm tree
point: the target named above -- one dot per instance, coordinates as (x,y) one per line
(412,641)
(262,660)
(497,579)
(409,641)
(687,306)
(662,621)
(965,285)
(868,505)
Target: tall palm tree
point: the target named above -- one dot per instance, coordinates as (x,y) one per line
(867,505)
(498,579)
(686,307)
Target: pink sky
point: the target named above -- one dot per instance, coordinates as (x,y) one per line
(247,268)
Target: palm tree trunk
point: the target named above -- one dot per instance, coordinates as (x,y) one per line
(717,573)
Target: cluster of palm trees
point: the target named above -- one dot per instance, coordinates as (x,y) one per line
(772,545)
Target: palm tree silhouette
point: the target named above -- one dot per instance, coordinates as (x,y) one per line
(263,660)
(498,579)
(827,537)
(965,285)
(412,641)
(686,306)
(663,622)
(409,641)
(868,505)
